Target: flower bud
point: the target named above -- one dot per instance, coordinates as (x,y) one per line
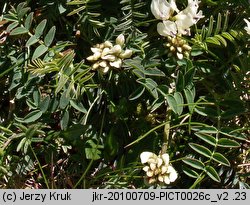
(172,48)
(152,166)
(150,173)
(168,44)
(109,58)
(91,58)
(105,70)
(179,49)
(179,55)
(117,49)
(120,40)
(95,50)
(186,47)
(108,44)
(160,178)
(95,66)
(105,51)
(117,63)
(126,54)
(151,180)
(102,46)
(103,64)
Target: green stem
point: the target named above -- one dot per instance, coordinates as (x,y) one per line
(84,174)
(40,167)
(161,125)
(197,181)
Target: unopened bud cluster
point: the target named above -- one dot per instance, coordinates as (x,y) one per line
(158,168)
(178,47)
(106,55)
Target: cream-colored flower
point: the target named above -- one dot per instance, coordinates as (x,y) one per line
(247,28)
(126,54)
(106,55)
(188,17)
(145,156)
(180,23)
(120,40)
(158,168)
(162,9)
(172,174)
(167,28)
(117,63)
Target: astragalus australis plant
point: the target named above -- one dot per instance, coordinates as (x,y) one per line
(124,94)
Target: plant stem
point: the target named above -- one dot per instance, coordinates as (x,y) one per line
(40,167)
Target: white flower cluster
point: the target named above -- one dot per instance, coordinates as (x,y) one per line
(180,23)
(107,55)
(158,168)
(247,28)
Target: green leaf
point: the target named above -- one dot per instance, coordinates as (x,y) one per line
(210,26)
(206,111)
(44,104)
(189,172)
(78,106)
(228,36)
(224,142)
(28,21)
(179,100)
(180,82)
(172,102)
(188,77)
(163,89)
(50,36)
(11,26)
(40,28)
(40,50)
(190,98)
(137,93)
(6,130)
(203,129)
(65,120)
(18,31)
(213,40)
(61,83)
(218,157)
(211,172)
(32,116)
(20,144)
(218,25)
(194,163)
(154,72)
(64,100)
(32,40)
(221,39)
(201,149)
(150,84)
(207,138)
(231,133)
(92,153)
(22,12)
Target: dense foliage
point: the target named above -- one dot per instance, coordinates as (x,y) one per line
(64,124)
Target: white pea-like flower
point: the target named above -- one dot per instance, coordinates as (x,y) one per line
(247,28)
(158,168)
(167,28)
(180,23)
(163,9)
